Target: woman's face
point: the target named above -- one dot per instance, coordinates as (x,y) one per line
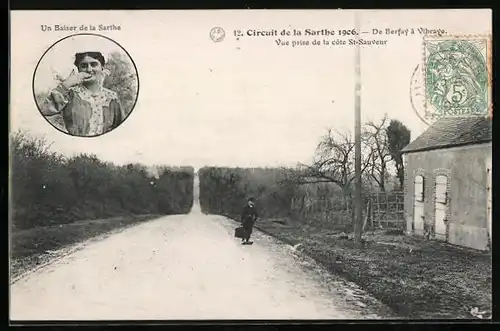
(92,66)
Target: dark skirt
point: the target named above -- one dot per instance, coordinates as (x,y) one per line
(248,227)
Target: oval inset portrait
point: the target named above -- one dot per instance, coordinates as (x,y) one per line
(86,85)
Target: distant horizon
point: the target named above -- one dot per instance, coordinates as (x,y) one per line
(194,165)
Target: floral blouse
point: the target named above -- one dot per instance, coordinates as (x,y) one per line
(84,113)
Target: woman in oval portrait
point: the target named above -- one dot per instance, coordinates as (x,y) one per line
(86,106)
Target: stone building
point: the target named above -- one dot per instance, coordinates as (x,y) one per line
(448,182)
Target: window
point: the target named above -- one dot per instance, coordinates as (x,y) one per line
(419,188)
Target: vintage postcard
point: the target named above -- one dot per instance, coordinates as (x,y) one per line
(250,165)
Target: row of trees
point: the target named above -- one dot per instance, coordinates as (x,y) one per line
(48,188)
(331,174)
(333,160)
(224,190)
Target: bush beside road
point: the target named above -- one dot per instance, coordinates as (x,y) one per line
(51,189)
(58,201)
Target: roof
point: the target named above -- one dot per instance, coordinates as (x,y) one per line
(451,132)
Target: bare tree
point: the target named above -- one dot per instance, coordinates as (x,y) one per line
(375,139)
(333,163)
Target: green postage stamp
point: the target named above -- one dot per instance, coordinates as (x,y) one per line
(457,74)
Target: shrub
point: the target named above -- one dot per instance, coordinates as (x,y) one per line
(48,188)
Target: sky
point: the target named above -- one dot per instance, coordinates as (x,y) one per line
(245,102)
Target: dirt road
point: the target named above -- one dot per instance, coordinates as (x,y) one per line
(186,267)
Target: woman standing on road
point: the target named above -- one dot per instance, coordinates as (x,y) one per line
(248,218)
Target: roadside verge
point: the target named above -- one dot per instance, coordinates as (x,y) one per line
(32,249)
(415,277)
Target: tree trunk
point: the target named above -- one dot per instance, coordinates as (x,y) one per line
(353,214)
(382,179)
(401,176)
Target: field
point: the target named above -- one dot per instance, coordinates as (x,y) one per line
(417,278)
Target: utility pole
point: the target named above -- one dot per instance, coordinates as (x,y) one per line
(358,204)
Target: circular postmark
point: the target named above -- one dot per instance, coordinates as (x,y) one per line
(456,79)
(417,95)
(217,34)
(85,85)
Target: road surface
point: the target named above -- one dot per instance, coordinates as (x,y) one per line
(186,267)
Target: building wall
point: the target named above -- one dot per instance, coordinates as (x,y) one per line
(466,169)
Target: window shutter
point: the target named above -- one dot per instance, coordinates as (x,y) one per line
(423,189)
(419,188)
(441,185)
